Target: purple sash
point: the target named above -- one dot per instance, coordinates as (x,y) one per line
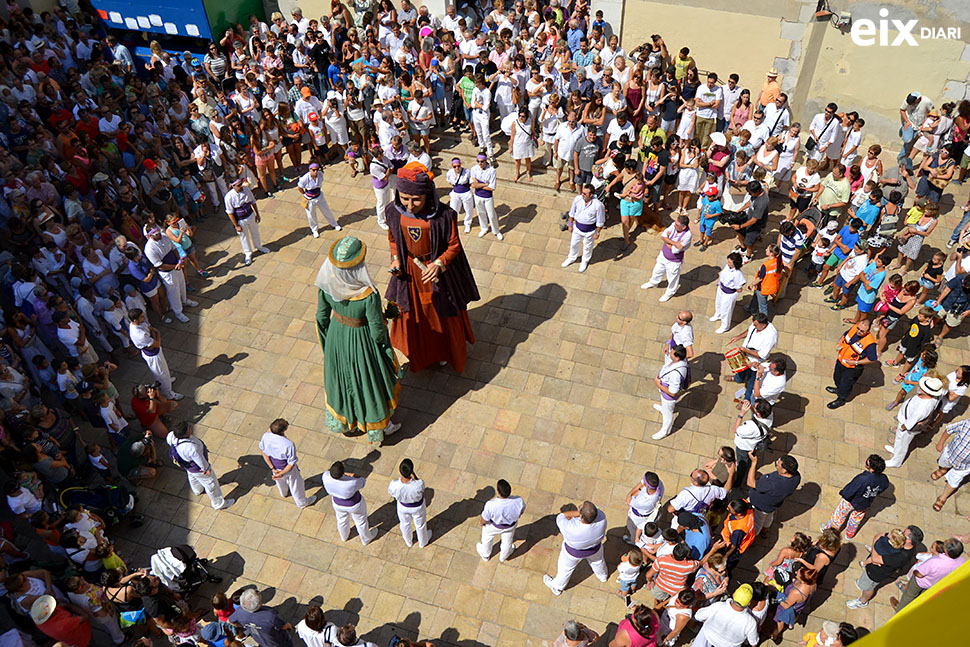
(172,258)
(671,255)
(278,463)
(378,184)
(312,193)
(483,193)
(637,512)
(150,352)
(417,504)
(243,212)
(502,526)
(583,227)
(462,188)
(725,289)
(397,164)
(347,503)
(581,553)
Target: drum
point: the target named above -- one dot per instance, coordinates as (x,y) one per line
(736,360)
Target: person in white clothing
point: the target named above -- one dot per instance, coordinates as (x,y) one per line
(583,531)
(162,253)
(824,130)
(408,491)
(671,382)
(149,341)
(912,415)
(676,239)
(587,216)
(481,106)
(279,452)
(698,496)
(567,134)
(728,623)
(681,334)
(770,380)
(461,193)
(241,208)
(310,186)
(644,502)
(191,454)
(381,177)
(499,519)
(729,283)
(344,489)
(483,182)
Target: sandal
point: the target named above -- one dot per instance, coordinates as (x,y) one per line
(937,475)
(890,362)
(898,379)
(840,306)
(937,505)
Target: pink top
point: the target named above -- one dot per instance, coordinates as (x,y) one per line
(636,640)
(936,568)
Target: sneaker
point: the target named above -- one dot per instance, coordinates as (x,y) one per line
(310,501)
(627,539)
(337,228)
(568,262)
(950,243)
(714,318)
(468,229)
(888,448)
(856,604)
(500,236)
(181,317)
(190,303)
(720,331)
(548,582)
(391,428)
(583,266)
(248,260)
(666,297)
(483,233)
(226,504)
(316,234)
(657,407)
(383,226)
(176,397)
(659,435)
(745,259)
(264,249)
(166,319)
(647,285)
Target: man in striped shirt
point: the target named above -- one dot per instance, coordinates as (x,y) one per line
(668,575)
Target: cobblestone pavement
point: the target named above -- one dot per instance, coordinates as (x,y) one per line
(556,398)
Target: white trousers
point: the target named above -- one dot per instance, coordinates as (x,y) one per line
(359,514)
(292,483)
(217,196)
(900,446)
(175,289)
(668,269)
(383,199)
(109,625)
(701,639)
(724,307)
(489,533)
(418,517)
(463,201)
(319,204)
(480,121)
(249,232)
(159,368)
(667,415)
(568,564)
(578,241)
(635,522)
(485,207)
(199,483)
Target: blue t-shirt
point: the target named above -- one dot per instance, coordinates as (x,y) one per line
(710,209)
(140,269)
(875,278)
(848,239)
(699,540)
(867,213)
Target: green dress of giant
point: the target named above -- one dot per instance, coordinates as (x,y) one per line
(361,372)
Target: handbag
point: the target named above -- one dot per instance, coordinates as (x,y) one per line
(811,143)
(131,618)
(764,444)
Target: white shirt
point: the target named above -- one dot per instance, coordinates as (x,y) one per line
(954,388)
(464,177)
(344,488)
(915,410)
(759,133)
(707,94)
(730,98)
(140,335)
(696,498)
(731,278)
(483,97)
(579,535)
(279,447)
(315,638)
(410,492)
(566,139)
(69,336)
(854,266)
(726,627)
(157,250)
(504,512)
(819,124)
(484,175)
(672,376)
(918,111)
(237,198)
(682,334)
(191,449)
(761,341)
(306,181)
(614,130)
(592,213)
(646,502)
(777,123)
(772,386)
(748,433)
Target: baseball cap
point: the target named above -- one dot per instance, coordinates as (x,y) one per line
(149,164)
(711,192)
(743,595)
(305,91)
(313,116)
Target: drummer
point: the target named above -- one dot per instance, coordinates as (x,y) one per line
(759,339)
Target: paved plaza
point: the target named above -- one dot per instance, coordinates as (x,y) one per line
(556,398)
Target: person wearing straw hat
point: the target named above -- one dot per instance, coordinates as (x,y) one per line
(61,621)
(361,372)
(912,414)
(240,204)
(310,186)
(728,623)
(408,491)
(431,280)
(770,89)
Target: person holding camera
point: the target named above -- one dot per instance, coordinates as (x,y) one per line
(756,219)
(751,436)
(768,492)
(149,405)
(148,340)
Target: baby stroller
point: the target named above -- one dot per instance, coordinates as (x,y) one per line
(110,502)
(181,570)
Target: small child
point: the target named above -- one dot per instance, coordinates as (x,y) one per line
(46,373)
(936,548)
(823,244)
(223,607)
(932,275)
(907,381)
(670,539)
(649,538)
(717,513)
(109,558)
(116,317)
(916,211)
(134,299)
(860,197)
(708,209)
(98,461)
(628,572)
(849,272)
(113,419)
(356,159)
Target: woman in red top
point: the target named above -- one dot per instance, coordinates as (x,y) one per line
(148,405)
(639,629)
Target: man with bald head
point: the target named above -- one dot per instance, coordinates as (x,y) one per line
(698,496)
(583,531)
